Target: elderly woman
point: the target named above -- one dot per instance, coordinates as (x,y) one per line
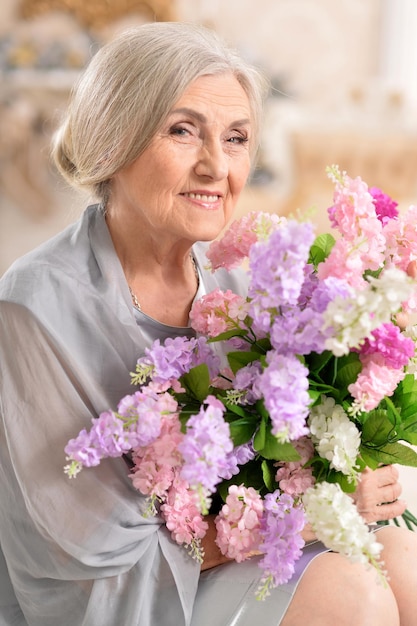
(162,129)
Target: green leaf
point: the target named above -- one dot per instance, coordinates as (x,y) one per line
(237,409)
(239,359)
(249,475)
(268,474)
(408,436)
(268,446)
(321,248)
(369,460)
(347,370)
(316,362)
(197,382)
(259,439)
(405,397)
(315,396)
(242,430)
(391,453)
(342,480)
(261,346)
(228,334)
(377,429)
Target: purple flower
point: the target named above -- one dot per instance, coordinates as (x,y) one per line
(299,329)
(277,270)
(108,434)
(204,354)
(245,379)
(299,332)
(281,526)
(143,410)
(385,207)
(328,290)
(309,286)
(284,386)
(205,446)
(106,438)
(177,356)
(83,450)
(239,456)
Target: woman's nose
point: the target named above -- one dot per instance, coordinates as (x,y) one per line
(212,161)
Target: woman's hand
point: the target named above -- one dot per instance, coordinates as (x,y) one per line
(376,496)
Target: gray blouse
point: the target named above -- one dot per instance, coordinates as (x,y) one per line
(79,552)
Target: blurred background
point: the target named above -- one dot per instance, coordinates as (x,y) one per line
(344,78)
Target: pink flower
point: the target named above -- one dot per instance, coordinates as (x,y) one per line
(182,514)
(238,523)
(353,208)
(373,383)
(401,237)
(218,312)
(234,246)
(293,478)
(154,464)
(362,244)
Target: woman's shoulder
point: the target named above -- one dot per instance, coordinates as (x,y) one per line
(65,254)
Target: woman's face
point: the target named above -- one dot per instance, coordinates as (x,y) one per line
(185,185)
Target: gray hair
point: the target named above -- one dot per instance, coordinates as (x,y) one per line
(128,90)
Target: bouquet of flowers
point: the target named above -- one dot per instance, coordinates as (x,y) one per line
(283,398)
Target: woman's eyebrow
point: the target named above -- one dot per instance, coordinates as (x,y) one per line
(202,118)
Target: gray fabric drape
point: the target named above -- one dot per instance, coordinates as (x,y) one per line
(80,551)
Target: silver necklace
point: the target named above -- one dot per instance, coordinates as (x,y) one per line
(135,300)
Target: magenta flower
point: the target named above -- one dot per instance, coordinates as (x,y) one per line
(390,344)
(385,207)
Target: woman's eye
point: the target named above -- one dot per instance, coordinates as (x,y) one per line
(238,139)
(180,131)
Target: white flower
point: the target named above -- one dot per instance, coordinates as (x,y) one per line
(337,523)
(352,319)
(334,436)
(411,332)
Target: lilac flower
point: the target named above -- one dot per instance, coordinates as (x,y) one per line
(244,453)
(299,332)
(300,329)
(106,438)
(175,357)
(327,290)
(309,286)
(204,354)
(284,386)
(238,456)
(143,409)
(277,269)
(205,446)
(82,449)
(245,379)
(281,541)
